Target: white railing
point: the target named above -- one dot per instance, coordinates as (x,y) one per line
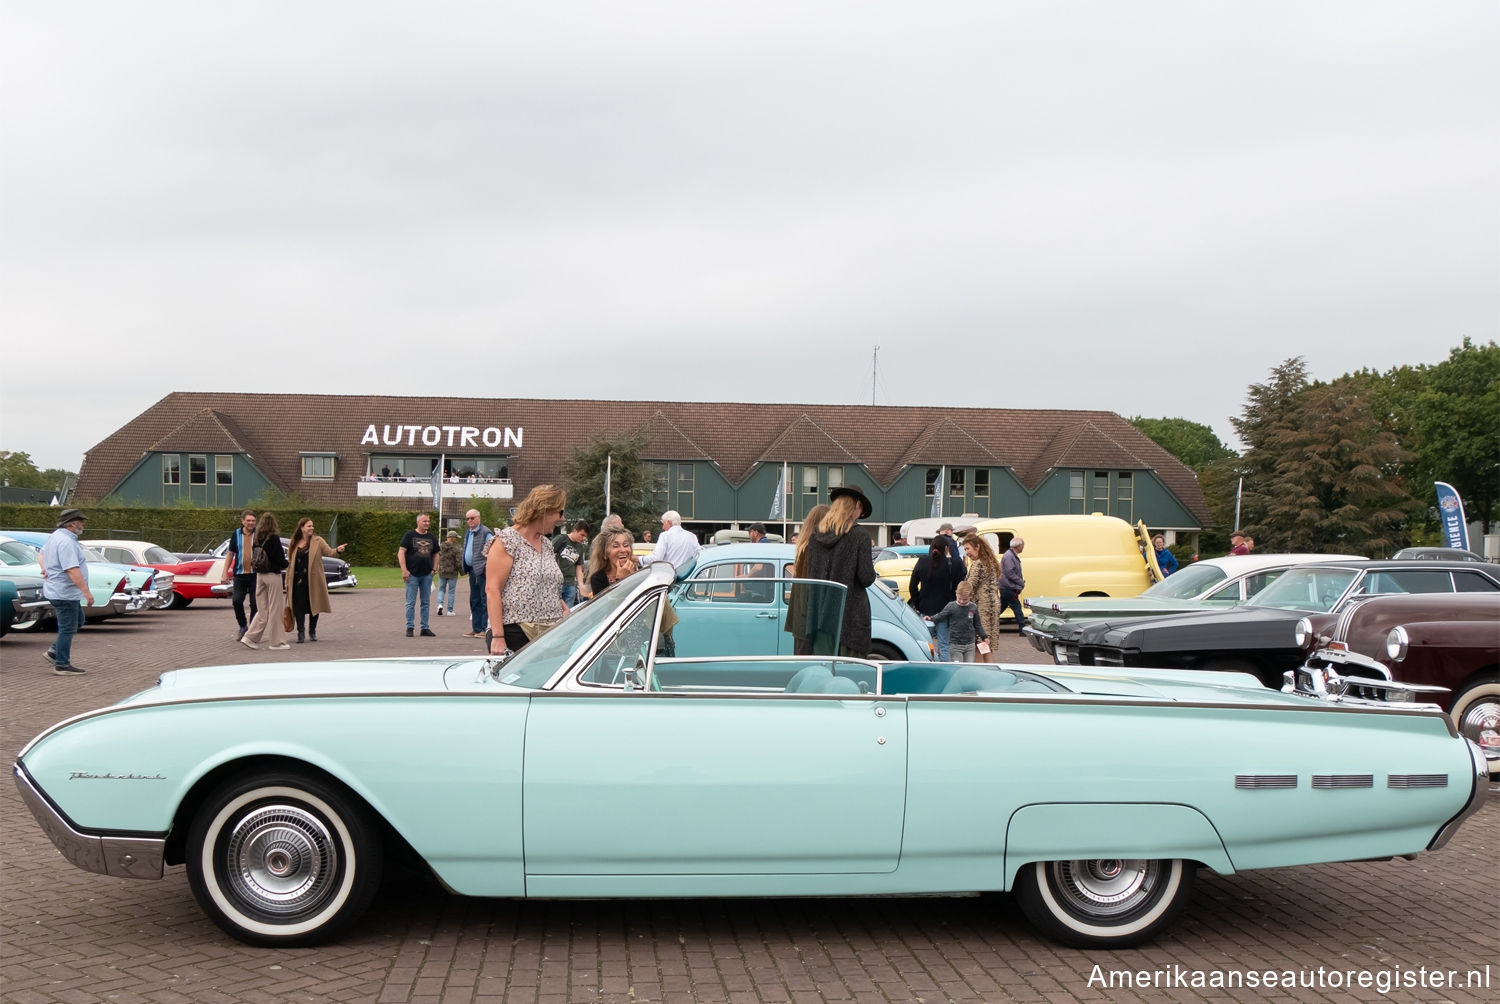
(421,488)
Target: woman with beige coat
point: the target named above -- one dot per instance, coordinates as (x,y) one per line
(306,586)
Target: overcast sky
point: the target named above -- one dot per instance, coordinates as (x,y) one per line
(1141,207)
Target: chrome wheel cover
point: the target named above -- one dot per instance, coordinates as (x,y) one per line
(281,860)
(1106,887)
(1480,717)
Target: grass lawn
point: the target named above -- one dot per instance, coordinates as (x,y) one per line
(379,578)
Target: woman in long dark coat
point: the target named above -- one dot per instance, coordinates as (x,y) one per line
(839,551)
(933,581)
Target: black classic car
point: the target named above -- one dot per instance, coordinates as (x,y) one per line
(1260,636)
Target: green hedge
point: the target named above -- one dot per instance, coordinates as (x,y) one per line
(372,536)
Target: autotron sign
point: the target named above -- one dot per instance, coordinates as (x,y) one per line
(441,435)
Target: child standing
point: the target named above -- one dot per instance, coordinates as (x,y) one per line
(965,629)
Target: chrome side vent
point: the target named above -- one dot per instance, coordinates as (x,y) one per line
(1416,781)
(1256,782)
(1334,782)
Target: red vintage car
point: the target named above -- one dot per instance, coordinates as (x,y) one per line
(1449,642)
(192,579)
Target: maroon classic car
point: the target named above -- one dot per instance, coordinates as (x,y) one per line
(1449,641)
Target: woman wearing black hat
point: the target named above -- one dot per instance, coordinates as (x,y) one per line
(839,551)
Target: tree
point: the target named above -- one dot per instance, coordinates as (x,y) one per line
(18,471)
(1194,443)
(1199,447)
(1322,465)
(1454,424)
(630,481)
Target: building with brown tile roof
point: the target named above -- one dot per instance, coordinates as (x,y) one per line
(718,463)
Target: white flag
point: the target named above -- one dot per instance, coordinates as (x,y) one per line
(778,501)
(937,492)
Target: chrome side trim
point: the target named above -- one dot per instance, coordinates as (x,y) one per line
(1338,782)
(1259,782)
(1416,781)
(1476,798)
(121,856)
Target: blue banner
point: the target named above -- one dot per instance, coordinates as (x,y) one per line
(1451,512)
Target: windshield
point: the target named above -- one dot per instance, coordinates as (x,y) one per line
(1314,588)
(1188,583)
(535,664)
(158,556)
(15,553)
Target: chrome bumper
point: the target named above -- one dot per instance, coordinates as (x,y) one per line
(221,589)
(1476,798)
(142,599)
(347,582)
(27,614)
(1040,640)
(122,857)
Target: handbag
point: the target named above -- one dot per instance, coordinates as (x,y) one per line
(286,618)
(535,629)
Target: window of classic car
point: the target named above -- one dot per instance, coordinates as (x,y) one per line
(280,787)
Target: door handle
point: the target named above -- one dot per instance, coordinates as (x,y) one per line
(766,616)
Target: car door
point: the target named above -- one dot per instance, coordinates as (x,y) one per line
(627,790)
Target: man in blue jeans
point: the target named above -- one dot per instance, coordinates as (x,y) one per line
(476,542)
(65,584)
(417,555)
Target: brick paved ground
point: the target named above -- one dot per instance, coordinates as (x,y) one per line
(69,936)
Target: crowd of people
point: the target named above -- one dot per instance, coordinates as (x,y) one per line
(534,577)
(962,588)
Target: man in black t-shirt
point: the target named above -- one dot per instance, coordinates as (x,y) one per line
(417,555)
(571,549)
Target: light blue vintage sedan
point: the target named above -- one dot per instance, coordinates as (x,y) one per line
(737,596)
(589,765)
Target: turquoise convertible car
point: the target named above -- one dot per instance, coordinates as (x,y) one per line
(590,766)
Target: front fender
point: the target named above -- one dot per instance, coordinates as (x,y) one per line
(1060,831)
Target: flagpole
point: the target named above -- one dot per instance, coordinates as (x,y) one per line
(785,504)
(609,463)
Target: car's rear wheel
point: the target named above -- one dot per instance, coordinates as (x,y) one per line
(1103,902)
(275,858)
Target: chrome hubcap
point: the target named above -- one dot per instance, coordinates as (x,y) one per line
(1481,717)
(1105,887)
(281,859)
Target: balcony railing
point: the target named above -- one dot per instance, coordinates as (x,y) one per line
(421,488)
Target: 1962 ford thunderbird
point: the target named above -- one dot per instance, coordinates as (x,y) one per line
(589,765)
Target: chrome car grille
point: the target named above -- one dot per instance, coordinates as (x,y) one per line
(1416,781)
(1332,782)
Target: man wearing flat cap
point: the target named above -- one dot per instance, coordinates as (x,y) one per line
(65,585)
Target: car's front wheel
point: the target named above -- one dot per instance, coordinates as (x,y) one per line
(1104,902)
(275,858)
(179,602)
(1476,710)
